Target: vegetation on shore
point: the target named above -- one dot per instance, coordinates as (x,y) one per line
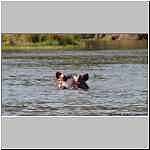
(46,41)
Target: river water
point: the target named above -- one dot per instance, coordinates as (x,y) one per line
(118,83)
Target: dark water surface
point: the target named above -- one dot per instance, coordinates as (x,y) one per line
(118,83)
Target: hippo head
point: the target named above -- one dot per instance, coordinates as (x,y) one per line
(72,81)
(81,80)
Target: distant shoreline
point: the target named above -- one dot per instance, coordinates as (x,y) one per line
(68,47)
(33,49)
(49,42)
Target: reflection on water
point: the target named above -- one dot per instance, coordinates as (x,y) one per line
(118,83)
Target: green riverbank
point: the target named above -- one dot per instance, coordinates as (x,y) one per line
(40,42)
(115,45)
(39,48)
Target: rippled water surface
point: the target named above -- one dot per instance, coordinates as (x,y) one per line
(118,83)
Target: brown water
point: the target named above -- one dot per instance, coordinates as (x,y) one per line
(118,83)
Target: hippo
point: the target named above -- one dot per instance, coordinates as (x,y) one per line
(72,81)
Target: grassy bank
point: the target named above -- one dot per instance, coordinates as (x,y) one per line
(29,42)
(30,48)
(90,45)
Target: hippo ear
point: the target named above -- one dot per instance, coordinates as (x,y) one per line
(85,77)
(58,74)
